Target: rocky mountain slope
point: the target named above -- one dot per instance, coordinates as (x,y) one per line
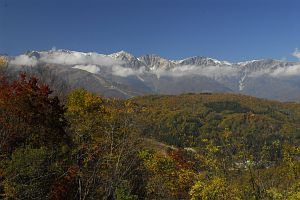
(123,75)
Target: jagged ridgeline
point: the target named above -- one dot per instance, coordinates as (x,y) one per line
(124,75)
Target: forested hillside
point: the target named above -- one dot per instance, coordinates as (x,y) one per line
(192,146)
(185,120)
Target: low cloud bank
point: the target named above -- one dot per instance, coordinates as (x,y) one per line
(91,62)
(77,58)
(293,70)
(124,72)
(287,71)
(89,68)
(209,71)
(187,70)
(66,58)
(24,60)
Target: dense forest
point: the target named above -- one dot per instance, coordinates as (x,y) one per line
(192,146)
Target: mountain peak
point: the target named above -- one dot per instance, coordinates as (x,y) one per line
(201,60)
(122,54)
(155,61)
(153,57)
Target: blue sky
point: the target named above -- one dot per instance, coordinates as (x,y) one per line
(233,30)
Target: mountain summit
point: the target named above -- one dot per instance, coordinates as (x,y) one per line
(122,74)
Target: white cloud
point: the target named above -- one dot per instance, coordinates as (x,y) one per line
(296,53)
(89,68)
(293,70)
(210,71)
(85,61)
(77,58)
(24,60)
(287,71)
(186,70)
(92,62)
(123,71)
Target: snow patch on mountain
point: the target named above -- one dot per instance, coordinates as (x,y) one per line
(244,63)
(125,64)
(241,82)
(139,77)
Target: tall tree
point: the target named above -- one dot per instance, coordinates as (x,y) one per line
(33,140)
(106,145)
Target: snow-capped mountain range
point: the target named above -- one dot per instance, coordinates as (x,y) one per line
(122,74)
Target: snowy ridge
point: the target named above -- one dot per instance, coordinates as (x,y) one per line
(123,74)
(125,63)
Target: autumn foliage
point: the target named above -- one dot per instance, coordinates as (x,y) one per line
(29,114)
(202,146)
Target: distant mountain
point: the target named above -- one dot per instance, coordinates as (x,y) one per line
(123,75)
